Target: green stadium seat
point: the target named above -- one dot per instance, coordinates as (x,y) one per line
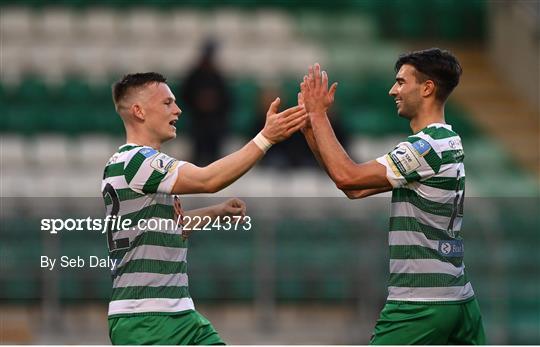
(290,288)
(75,90)
(203,286)
(309,25)
(67,120)
(242,287)
(335,288)
(32,90)
(21,288)
(523,326)
(456,116)
(243,117)
(410,18)
(446,25)
(354,26)
(71,285)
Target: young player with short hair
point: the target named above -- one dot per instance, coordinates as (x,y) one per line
(150,301)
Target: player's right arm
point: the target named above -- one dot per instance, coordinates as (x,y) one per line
(350,193)
(307,130)
(223,172)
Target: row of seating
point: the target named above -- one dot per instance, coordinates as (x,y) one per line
(89,152)
(54,61)
(262,42)
(57,23)
(99,42)
(63,23)
(71,165)
(454,20)
(76,107)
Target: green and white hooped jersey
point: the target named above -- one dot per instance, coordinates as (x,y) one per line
(150,271)
(426,248)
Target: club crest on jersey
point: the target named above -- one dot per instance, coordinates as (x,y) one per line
(422,147)
(405,158)
(163,163)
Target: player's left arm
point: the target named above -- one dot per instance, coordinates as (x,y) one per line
(231,207)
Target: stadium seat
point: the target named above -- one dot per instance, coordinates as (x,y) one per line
(50,151)
(229,26)
(272,26)
(302,181)
(74,90)
(410,18)
(93,150)
(186,23)
(309,25)
(24,119)
(243,116)
(56,24)
(99,24)
(14,153)
(32,88)
(21,288)
(17,22)
(290,288)
(141,23)
(335,288)
(204,286)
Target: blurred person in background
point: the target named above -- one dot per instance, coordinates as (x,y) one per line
(205,94)
(150,301)
(430,300)
(293,153)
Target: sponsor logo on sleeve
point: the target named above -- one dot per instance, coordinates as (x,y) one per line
(455,143)
(405,158)
(163,163)
(451,248)
(171,165)
(422,147)
(148,152)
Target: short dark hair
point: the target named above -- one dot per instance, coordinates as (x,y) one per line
(121,87)
(440,66)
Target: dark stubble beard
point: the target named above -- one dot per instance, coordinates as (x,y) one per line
(405,115)
(410,111)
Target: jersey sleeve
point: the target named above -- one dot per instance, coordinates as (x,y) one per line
(150,171)
(413,160)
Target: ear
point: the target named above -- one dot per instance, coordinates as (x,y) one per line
(428,88)
(137,111)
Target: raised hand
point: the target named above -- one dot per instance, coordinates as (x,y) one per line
(316,96)
(280,126)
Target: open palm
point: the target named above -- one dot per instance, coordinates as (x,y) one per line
(314,88)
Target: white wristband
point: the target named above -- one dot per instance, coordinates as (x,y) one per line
(262,142)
